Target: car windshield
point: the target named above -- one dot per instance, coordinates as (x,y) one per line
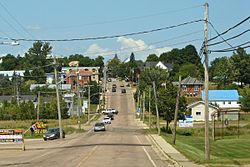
(52,130)
(99,124)
(106,118)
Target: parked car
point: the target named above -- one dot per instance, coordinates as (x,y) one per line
(106,120)
(123,90)
(99,126)
(113,89)
(114,86)
(53,133)
(111,115)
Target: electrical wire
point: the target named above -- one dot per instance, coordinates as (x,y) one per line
(7,11)
(220,35)
(233,37)
(229,29)
(152,43)
(110,36)
(128,19)
(232,48)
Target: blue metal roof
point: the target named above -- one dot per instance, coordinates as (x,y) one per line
(221,95)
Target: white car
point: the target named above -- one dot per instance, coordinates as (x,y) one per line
(109,110)
(106,120)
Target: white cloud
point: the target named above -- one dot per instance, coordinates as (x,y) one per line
(96,50)
(139,47)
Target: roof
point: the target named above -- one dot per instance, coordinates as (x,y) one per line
(149,64)
(22,97)
(222,95)
(200,102)
(191,81)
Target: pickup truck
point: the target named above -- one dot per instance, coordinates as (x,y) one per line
(109,110)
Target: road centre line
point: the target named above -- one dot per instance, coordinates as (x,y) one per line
(149,157)
(87,157)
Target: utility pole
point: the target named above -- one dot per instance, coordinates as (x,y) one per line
(156,108)
(143,106)
(38,108)
(207,146)
(89,103)
(58,100)
(149,105)
(176,110)
(78,101)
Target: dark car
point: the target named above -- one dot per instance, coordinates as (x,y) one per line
(53,133)
(99,126)
(123,90)
(111,115)
(113,89)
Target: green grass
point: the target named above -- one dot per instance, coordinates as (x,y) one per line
(230,150)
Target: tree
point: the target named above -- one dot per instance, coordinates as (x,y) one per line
(36,56)
(39,75)
(241,66)
(9,62)
(167,101)
(188,70)
(152,57)
(245,98)
(221,70)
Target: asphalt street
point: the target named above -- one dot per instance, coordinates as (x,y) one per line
(123,144)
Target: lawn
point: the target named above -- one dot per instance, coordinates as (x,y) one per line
(230,150)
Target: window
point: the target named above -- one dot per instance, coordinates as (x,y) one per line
(198,113)
(184,87)
(196,88)
(93,70)
(224,102)
(86,69)
(229,102)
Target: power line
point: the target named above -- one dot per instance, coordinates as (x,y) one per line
(15,19)
(232,48)
(233,37)
(152,43)
(219,35)
(129,18)
(111,36)
(241,22)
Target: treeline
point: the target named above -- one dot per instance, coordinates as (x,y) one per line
(26,110)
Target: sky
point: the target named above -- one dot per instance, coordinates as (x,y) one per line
(80,19)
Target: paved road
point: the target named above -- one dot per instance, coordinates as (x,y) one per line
(124,144)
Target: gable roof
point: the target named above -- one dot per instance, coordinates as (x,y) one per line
(191,81)
(200,102)
(222,95)
(149,64)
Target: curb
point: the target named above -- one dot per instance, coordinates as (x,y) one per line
(169,158)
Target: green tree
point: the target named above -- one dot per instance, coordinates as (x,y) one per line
(39,75)
(36,56)
(9,63)
(152,57)
(245,98)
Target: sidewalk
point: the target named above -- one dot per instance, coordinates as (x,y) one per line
(167,149)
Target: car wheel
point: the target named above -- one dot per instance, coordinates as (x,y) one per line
(45,139)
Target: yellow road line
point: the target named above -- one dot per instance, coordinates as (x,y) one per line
(87,157)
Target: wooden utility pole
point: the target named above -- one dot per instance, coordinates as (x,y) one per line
(58,100)
(207,146)
(89,104)
(143,106)
(38,104)
(176,110)
(157,112)
(149,105)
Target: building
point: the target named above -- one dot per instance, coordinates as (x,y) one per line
(159,64)
(190,87)
(223,104)
(197,110)
(79,75)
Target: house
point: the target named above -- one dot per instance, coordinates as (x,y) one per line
(11,73)
(227,101)
(162,65)
(79,75)
(190,87)
(51,86)
(197,110)
(223,104)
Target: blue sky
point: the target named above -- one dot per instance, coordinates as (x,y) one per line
(61,19)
